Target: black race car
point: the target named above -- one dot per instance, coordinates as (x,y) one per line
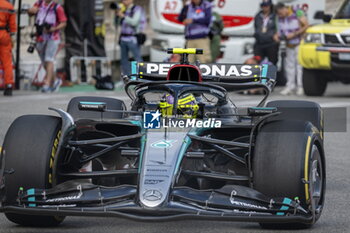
(182,151)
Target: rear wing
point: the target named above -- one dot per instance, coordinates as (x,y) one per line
(225,73)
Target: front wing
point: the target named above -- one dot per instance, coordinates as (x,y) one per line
(230,203)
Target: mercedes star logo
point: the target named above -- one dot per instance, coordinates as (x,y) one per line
(152,195)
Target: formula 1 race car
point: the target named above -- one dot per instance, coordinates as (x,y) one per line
(182,151)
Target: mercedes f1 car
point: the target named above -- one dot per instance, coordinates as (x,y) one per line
(183,150)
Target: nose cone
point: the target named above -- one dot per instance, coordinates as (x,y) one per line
(162,154)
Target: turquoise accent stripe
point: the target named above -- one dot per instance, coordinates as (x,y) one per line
(92,103)
(264,70)
(143,145)
(286,201)
(186,143)
(143,142)
(138,123)
(133,69)
(31,192)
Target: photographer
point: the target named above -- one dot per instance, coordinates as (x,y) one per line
(50,19)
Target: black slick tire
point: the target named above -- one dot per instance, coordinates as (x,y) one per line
(289,154)
(298,110)
(29,150)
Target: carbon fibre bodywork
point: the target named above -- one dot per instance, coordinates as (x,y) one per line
(119,167)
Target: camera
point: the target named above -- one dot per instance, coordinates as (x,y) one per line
(283,37)
(117,7)
(283,46)
(40,28)
(32,43)
(31,47)
(114,6)
(39,31)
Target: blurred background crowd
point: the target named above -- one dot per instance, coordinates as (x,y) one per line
(93,41)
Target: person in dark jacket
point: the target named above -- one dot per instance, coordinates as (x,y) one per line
(265,29)
(196,17)
(217,26)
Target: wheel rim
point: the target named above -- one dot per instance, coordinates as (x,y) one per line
(316,181)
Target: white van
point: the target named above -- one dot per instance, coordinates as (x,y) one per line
(238,17)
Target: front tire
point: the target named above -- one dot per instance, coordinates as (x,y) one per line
(314,82)
(298,110)
(29,149)
(288,162)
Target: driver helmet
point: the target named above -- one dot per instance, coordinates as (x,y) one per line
(186,106)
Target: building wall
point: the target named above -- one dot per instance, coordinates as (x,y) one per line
(333,5)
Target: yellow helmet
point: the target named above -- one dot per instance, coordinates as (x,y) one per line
(186,106)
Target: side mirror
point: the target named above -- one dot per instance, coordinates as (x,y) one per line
(113,6)
(327,18)
(319,15)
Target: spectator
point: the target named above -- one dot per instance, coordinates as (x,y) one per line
(50,20)
(291,24)
(131,22)
(196,17)
(265,29)
(7,29)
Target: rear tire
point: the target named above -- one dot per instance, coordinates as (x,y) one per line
(112,104)
(314,82)
(286,153)
(29,149)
